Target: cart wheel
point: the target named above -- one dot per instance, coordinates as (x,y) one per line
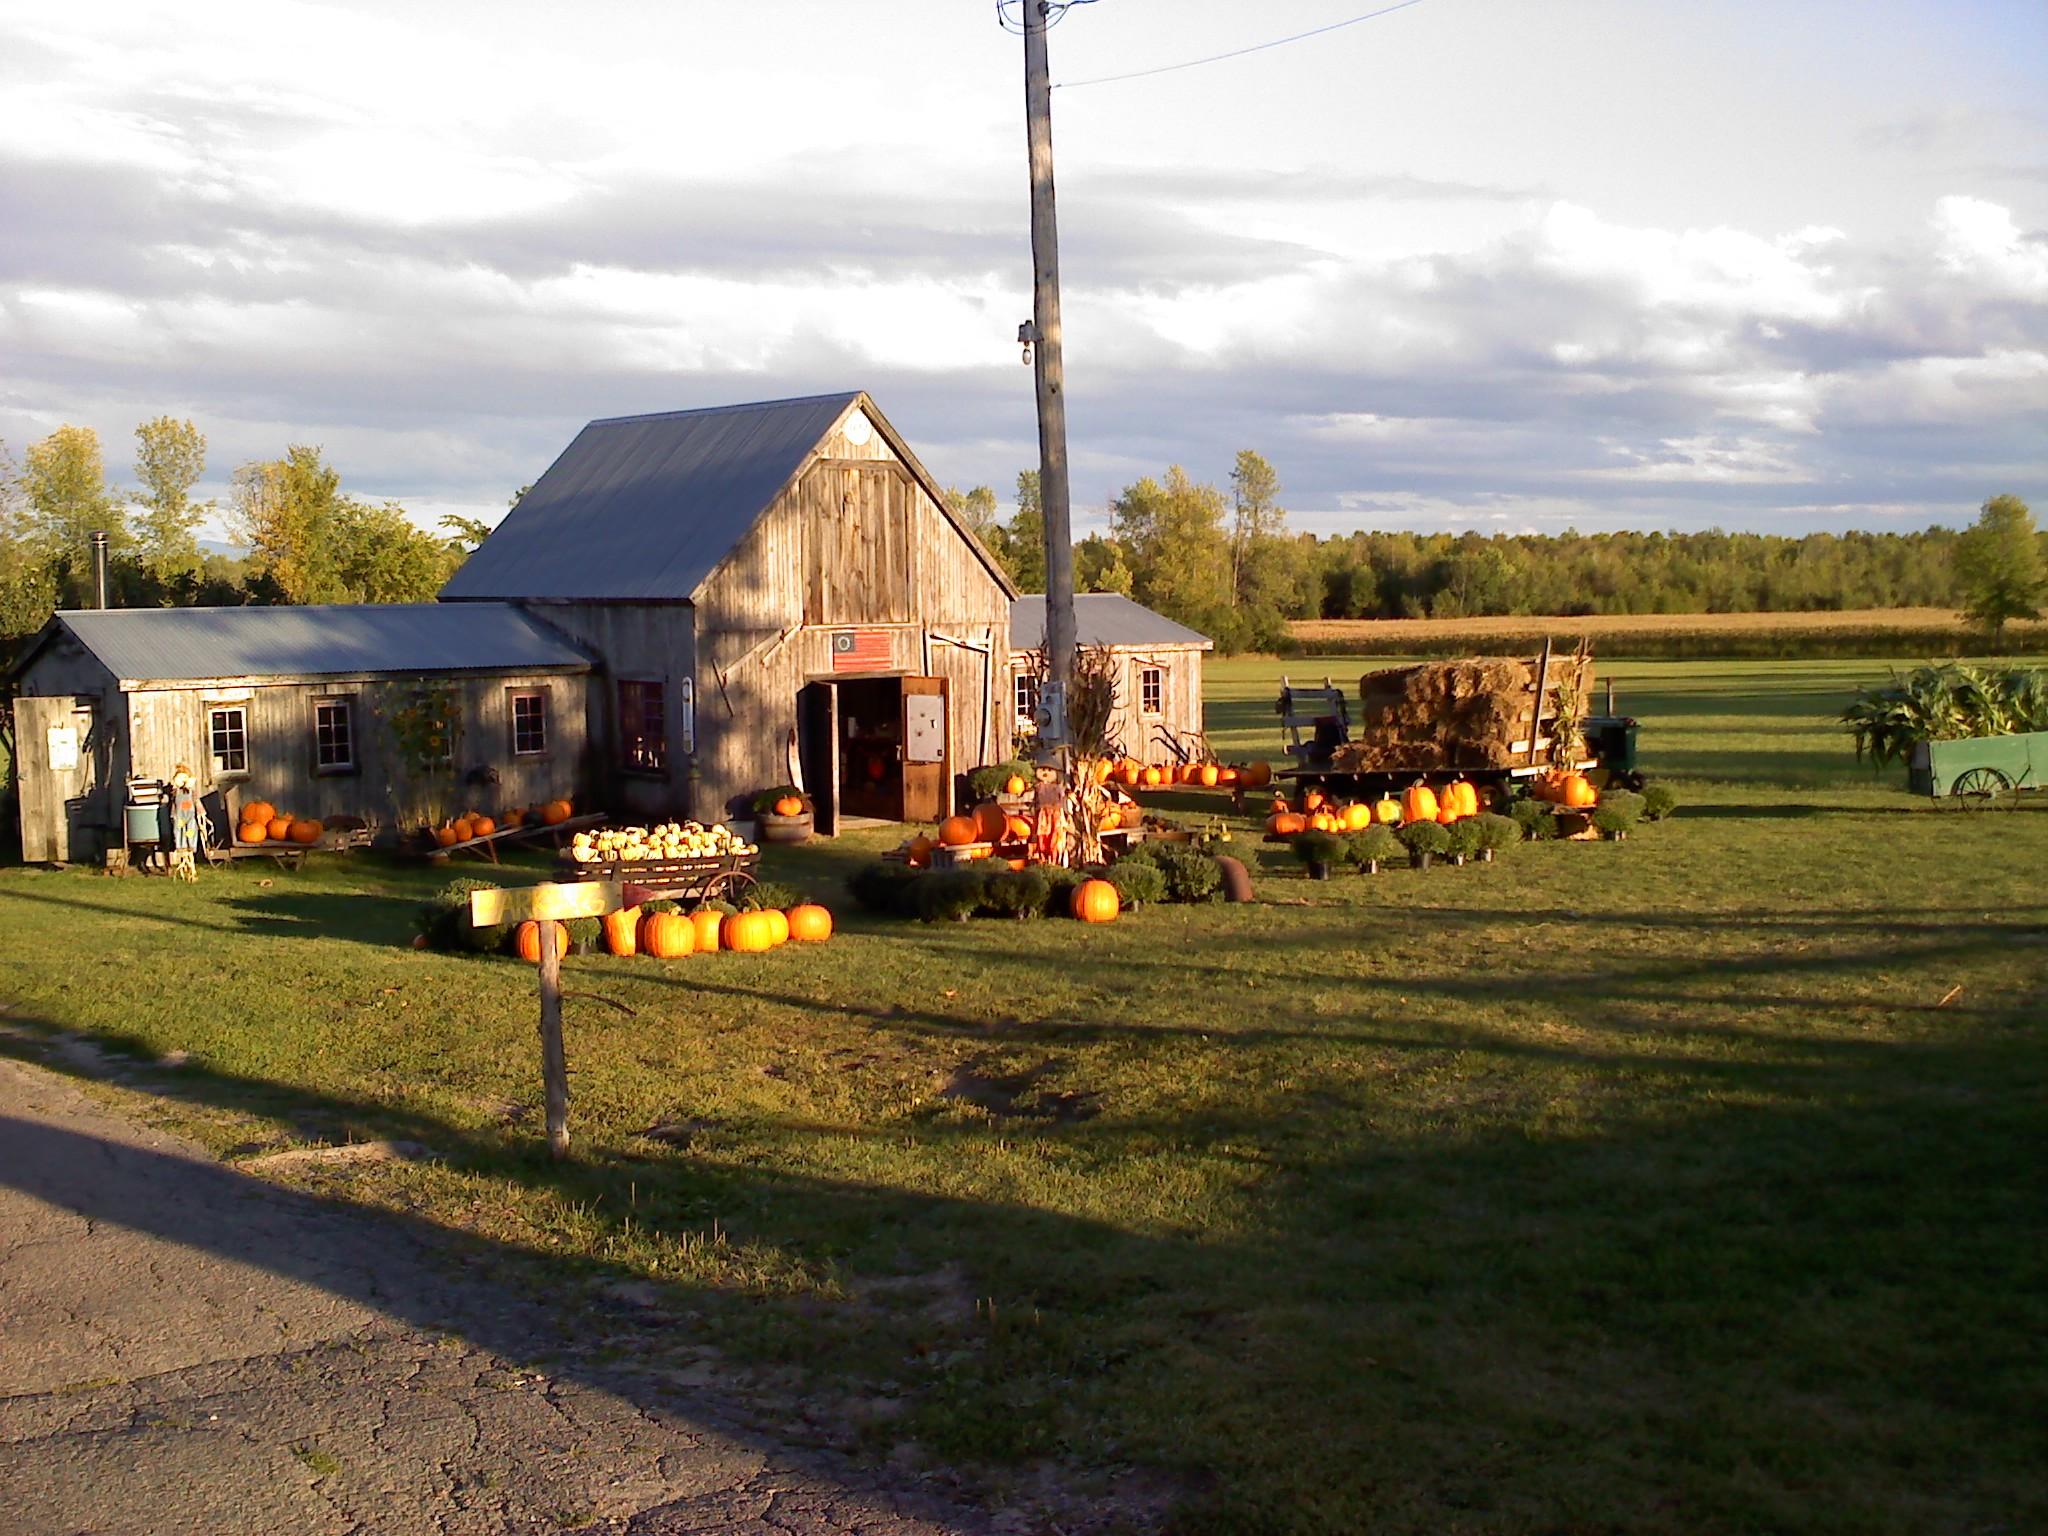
(727,885)
(1975,788)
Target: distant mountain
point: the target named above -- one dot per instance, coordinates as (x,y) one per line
(221,547)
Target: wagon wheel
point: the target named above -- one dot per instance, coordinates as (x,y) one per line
(1974,788)
(727,885)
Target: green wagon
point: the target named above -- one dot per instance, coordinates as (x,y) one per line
(1978,770)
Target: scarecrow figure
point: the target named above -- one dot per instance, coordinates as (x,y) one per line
(186,818)
(1048,815)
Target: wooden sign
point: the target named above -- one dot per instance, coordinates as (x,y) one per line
(582,898)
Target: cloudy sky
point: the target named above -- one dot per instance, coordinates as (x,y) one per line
(1491,263)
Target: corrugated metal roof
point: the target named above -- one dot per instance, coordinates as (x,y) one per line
(171,644)
(643,507)
(1100,618)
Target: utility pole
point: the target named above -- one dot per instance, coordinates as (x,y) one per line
(1037,17)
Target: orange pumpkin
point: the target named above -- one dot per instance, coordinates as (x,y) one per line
(1094,901)
(1325,821)
(957,831)
(1357,817)
(307,832)
(254,832)
(1103,769)
(481,826)
(280,828)
(259,810)
(1013,785)
(789,805)
(1311,799)
(990,822)
(529,941)
(778,926)
(1286,823)
(463,828)
(1579,793)
(555,812)
(1152,778)
(620,931)
(1463,797)
(811,923)
(709,923)
(1111,818)
(1017,829)
(746,933)
(665,936)
(1256,775)
(1419,804)
(1227,776)
(919,851)
(1211,775)
(444,836)
(1130,775)
(1447,809)
(1018,864)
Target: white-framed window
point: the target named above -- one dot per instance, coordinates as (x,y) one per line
(227,738)
(1027,700)
(1152,690)
(334,737)
(529,712)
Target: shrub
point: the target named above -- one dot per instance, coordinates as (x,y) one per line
(661,904)
(1059,885)
(1536,818)
(1319,848)
(885,887)
(1659,801)
(444,918)
(766,894)
(1137,881)
(586,934)
(1497,831)
(1462,837)
(1016,893)
(1191,875)
(1618,811)
(1423,836)
(1375,844)
(986,783)
(951,895)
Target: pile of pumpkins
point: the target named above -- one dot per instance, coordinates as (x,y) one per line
(461,829)
(673,935)
(1573,791)
(1133,774)
(669,840)
(263,822)
(988,827)
(1457,800)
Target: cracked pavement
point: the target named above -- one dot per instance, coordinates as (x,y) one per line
(184,1348)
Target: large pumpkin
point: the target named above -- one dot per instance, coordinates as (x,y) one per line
(1464,799)
(1419,804)
(957,831)
(990,822)
(1016,829)
(280,828)
(444,836)
(1227,776)
(1579,793)
(746,932)
(529,941)
(621,935)
(1211,775)
(1256,775)
(304,831)
(667,935)
(919,852)
(1094,901)
(789,805)
(481,826)
(259,810)
(778,926)
(810,923)
(1152,777)
(253,832)
(1286,823)
(709,923)
(1357,817)
(555,812)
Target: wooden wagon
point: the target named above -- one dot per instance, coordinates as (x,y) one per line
(716,877)
(1979,770)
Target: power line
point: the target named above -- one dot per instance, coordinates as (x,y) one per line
(1055,13)
(1237,53)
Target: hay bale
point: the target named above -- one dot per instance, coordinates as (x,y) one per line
(1451,714)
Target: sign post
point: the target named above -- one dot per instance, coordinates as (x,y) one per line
(548,905)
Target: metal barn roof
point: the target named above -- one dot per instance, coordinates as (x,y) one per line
(1101,618)
(176,644)
(643,507)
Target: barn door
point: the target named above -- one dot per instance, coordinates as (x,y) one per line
(817,746)
(925,775)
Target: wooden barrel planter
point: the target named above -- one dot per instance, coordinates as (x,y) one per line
(786,829)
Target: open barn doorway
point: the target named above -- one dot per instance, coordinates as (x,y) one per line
(874,749)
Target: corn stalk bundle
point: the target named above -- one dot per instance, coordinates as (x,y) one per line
(1944,704)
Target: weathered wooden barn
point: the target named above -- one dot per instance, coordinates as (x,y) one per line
(777,591)
(308,708)
(1159,669)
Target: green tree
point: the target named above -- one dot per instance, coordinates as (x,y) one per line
(1023,542)
(466,535)
(975,508)
(287,511)
(1172,536)
(64,482)
(1099,566)
(28,590)
(385,557)
(1255,512)
(170,456)
(1998,567)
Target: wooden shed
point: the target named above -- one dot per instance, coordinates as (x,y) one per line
(303,707)
(779,594)
(1159,681)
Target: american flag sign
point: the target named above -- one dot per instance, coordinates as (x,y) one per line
(860,650)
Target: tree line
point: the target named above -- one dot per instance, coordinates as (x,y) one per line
(307,540)
(1224,562)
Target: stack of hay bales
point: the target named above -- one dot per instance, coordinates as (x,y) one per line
(1458,714)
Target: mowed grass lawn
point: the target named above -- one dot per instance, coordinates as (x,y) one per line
(1689,1184)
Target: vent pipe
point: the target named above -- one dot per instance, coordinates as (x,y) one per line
(99,570)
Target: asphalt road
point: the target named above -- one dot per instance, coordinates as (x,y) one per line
(184,1348)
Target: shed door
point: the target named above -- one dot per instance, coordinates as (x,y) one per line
(64,802)
(817,745)
(925,774)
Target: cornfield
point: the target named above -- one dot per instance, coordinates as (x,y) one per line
(1944,704)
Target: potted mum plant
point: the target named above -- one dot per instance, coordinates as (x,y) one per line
(1618,812)
(1370,847)
(1461,840)
(1423,840)
(1319,850)
(1494,833)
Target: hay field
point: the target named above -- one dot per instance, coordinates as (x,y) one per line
(1854,632)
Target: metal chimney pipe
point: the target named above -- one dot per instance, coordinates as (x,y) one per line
(99,570)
